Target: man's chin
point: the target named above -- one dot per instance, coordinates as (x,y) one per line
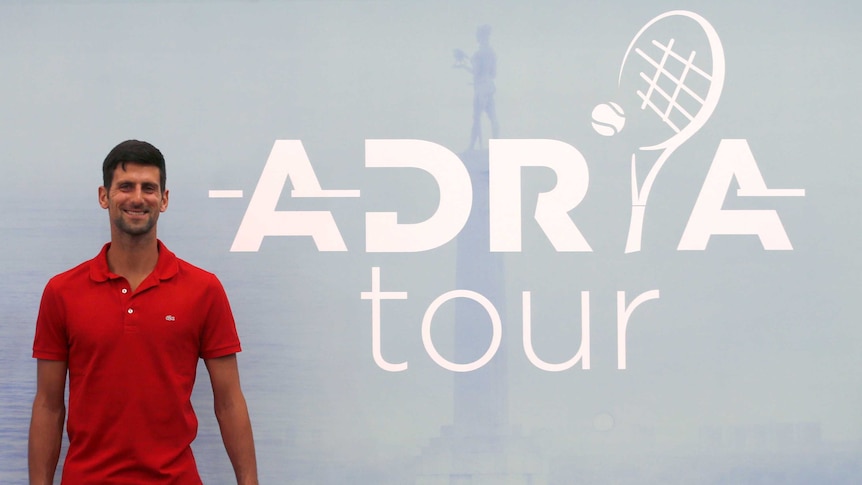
(136,229)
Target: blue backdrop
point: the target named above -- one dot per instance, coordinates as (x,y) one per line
(741,358)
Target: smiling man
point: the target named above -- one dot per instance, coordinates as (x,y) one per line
(128,327)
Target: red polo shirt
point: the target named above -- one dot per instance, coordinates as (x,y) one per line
(132,359)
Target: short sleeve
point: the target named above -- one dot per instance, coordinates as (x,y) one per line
(219,336)
(51,341)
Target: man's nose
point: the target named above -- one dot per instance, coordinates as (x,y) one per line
(138,194)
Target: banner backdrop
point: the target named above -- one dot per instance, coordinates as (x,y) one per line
(472,242)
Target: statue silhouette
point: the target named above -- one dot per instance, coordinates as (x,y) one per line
(483,66)
(481,445)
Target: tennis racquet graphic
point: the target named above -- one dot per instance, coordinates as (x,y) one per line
(678,87)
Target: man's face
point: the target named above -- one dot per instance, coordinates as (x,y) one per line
(134,199)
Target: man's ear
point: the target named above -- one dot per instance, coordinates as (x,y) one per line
(103,197)
(164,204)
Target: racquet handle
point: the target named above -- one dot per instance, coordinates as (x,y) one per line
(633,243)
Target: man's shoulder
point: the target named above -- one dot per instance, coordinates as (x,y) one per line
(170,264)
(189,276)
(72,275)
(190,270)
(95,267)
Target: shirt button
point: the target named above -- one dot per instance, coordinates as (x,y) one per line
(125,290)
(131,311)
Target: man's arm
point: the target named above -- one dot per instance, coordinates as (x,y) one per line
(232,414)
(46,422)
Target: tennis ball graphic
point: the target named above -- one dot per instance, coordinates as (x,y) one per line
(608,119)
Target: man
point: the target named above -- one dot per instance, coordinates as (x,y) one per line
(129,327)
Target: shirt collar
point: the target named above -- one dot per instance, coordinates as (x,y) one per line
(166,267)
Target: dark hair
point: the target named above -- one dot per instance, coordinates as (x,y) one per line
(133,151)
